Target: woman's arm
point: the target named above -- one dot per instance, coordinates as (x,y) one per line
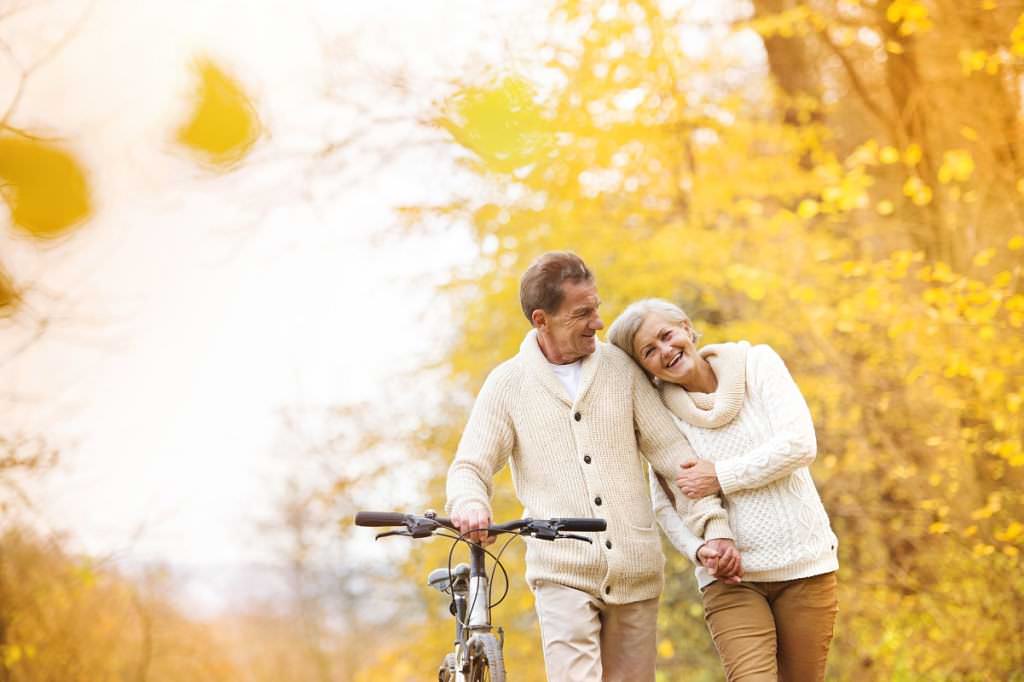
(793,444)
(665,448)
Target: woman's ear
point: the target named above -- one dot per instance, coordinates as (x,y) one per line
(690,331)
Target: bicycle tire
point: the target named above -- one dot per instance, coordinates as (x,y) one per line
(486,663)
(446,673)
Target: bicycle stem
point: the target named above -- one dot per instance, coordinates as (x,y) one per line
(479,619)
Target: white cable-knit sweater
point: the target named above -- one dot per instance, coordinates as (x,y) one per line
(761,457)
(582,458)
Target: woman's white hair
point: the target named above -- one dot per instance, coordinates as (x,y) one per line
(623,331)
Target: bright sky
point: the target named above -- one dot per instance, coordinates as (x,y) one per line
(195,307)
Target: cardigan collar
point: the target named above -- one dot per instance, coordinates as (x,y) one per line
(538,366)
(712,410)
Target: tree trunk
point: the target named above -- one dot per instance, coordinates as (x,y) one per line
(792,71)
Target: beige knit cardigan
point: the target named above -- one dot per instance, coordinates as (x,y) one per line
(584,458)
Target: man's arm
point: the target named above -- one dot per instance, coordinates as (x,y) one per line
(665,447)
(719,555)
(485,446)
(677,532)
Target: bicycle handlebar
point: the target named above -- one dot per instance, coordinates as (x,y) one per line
(569,524)
(380,519)
(576,525)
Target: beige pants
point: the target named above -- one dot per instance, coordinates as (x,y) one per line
(588,640)
(766,632)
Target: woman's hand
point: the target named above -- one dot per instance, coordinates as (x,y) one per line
(698,479)
(722,560)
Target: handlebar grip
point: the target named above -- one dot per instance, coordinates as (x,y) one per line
(581,525)
(374,519)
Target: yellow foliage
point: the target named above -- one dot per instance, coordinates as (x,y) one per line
(905,333)
(1017,37)
(501,123)
(44,186)
(957,165)
(223,125)
(911,16)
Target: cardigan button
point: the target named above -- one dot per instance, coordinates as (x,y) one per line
(577,416)
(608,589)
(608,544)
(597,501)
(586,458)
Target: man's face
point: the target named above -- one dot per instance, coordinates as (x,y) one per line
(568,334)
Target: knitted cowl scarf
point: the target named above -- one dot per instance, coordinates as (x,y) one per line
(712,410)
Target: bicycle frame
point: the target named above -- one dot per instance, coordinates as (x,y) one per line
(472,608)
(477,653)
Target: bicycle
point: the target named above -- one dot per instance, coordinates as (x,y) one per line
(477,654)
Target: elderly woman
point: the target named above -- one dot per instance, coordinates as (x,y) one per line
(750,426)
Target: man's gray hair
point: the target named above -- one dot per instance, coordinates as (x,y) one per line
(623,331)
(541,285)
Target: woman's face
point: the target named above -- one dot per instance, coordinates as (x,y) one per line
(666,349)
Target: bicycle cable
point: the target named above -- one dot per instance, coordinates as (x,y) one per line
(497,562)
(461,537)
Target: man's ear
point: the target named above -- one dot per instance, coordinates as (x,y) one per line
(539,318)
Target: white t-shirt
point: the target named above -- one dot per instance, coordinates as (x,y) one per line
(569,375)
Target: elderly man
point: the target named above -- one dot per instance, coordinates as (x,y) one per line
(576,419)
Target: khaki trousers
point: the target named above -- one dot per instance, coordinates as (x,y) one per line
(766,632)
(588,640)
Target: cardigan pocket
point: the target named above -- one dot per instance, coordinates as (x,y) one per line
(641,552)
(651,530)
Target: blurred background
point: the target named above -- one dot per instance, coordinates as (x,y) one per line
(256,258)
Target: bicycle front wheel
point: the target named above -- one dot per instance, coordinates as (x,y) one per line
(486,663)
(446,673)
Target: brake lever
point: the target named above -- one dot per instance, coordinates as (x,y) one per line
(570,536)
(393,532)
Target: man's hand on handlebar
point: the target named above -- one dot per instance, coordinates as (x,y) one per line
(470,522)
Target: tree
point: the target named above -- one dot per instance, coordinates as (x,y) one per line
(834,196)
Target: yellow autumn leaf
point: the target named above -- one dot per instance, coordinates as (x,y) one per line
(957,164)
(912,154)
(808,208)
(984,257)
(889,154)
(223,125)
(500,123)
(45,187)
(1011,533)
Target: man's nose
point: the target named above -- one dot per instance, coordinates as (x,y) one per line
(598,323)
